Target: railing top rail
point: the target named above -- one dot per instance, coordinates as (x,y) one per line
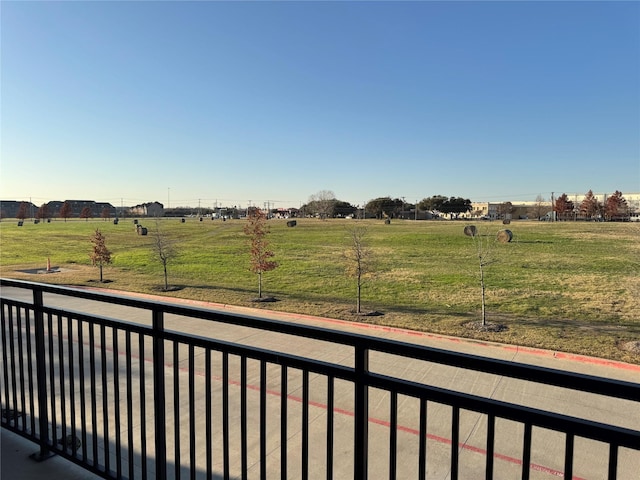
(574,381)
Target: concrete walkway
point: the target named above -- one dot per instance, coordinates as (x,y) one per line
(15,450)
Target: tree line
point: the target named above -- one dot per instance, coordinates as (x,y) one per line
(615,207)
(324,204)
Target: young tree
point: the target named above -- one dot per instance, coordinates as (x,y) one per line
(99,255)
(163,250)
(358,260)
(257,230)
(483,250)
(106,213)
(22,211)
(43,212)
(65,211)
(86,213)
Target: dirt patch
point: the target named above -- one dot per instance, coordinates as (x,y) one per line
(170,288)
(264,299)
(633,347)
(374,313)
(487,327)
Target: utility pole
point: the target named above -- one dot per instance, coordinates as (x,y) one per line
(553,209)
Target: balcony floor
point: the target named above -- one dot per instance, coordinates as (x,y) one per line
(16,464)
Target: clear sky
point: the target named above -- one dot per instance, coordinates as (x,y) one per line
(188,102)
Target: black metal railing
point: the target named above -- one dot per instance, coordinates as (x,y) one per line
(132,388)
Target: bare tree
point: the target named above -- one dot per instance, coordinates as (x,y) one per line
(106,213)
(483,250)
(100,255)
(257,230)
(163,250)
(43,212)
(505,209)
(323,202)
(541,207)
(358,258)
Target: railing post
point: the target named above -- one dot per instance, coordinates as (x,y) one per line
(41,379)
(159,395)
(361,410)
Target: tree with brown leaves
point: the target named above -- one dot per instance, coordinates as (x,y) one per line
(99,255)
(563,207)
(86,213)
(590,206)
(106,213)
(43,212)
(615,207)
(22,211)
(65,211)
(256,229)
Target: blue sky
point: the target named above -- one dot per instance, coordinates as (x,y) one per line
(231,102)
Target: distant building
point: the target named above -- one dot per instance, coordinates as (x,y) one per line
(101,206)
(633,199)
(152,209)
(77,206)
(10,208)
(516,210)
(535,210)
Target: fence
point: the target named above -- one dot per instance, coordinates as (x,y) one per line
(128,397)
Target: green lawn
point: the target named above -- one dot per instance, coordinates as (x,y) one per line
(565,286)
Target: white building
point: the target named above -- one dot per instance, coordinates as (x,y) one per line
(535,209)
(152,209)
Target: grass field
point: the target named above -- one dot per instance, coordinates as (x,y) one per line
(565,286)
